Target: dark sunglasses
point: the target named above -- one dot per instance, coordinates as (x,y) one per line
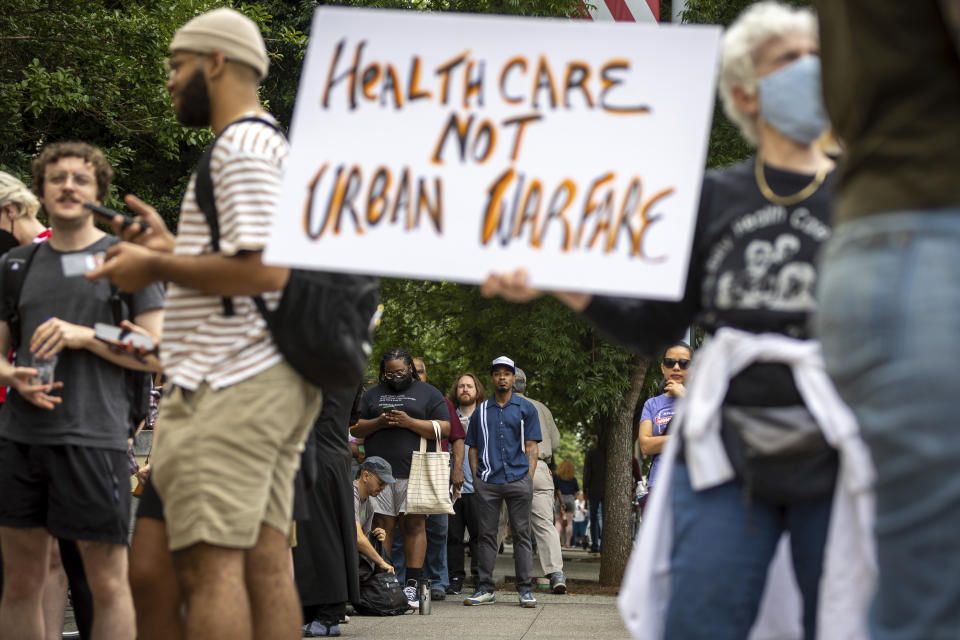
(670,363)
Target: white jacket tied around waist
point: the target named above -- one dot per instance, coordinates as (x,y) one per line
(849,570)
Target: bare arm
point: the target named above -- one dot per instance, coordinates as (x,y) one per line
(55,334)
(364,547)
(423,428)
(474,461)
(533,452)
(365,427)
(456,473)
(649,443)
(131,267)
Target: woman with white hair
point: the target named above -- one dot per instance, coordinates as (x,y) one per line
(753,465)
(18,214)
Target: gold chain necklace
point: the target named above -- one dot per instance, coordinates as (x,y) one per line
(786,201)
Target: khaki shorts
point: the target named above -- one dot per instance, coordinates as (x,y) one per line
(225,460)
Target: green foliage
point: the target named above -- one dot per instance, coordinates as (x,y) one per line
(569,367)
(93,71)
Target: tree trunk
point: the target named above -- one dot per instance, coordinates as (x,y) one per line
(618,494)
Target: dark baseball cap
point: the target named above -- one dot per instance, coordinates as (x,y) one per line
(379,467)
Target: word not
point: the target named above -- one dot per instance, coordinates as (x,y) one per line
(367,204)
(537,83)
(516,202)
(484,137)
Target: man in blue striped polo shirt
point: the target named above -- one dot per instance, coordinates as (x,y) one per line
(503,436)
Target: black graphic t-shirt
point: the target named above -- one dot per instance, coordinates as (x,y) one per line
(420,401)
(752,267)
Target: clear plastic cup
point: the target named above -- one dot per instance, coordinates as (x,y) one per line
(44,366)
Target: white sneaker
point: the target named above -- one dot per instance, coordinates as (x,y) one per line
(413,598)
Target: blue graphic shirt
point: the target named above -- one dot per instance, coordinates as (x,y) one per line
(499,433)
(659,411)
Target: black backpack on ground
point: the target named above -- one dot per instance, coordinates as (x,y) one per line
(324,323)
(380,592)
(16,263)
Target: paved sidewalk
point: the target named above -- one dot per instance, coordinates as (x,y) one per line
(557,617)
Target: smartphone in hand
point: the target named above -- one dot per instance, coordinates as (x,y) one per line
(107,215)
(118,336)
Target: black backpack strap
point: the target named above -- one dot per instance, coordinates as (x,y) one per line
(203,189)
(119,300)
(14,275)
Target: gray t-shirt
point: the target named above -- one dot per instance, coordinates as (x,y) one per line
(362,510)
(95,408)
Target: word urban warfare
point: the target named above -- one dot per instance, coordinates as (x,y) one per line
(516,207)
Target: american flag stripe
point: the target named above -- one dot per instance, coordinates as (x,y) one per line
(621,11)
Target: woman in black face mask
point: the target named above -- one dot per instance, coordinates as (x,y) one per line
(397,373)
(394,415)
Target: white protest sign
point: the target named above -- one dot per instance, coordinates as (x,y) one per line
(446,147)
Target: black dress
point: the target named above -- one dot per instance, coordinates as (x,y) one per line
(325,558)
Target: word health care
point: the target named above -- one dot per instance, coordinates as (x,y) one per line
(589,215)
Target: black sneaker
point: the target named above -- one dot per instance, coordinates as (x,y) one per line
(438,594)
(456,586)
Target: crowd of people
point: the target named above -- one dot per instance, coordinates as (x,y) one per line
(790,459)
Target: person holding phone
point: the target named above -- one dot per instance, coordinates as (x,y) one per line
(394,415)
(63,445)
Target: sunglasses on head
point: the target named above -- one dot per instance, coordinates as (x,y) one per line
(670,363)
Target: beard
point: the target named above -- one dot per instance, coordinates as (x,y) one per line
(194,108)
(467,398)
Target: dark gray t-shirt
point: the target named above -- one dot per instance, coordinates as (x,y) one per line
(95,409)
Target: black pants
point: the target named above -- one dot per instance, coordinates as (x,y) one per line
(325,614)
(465,517)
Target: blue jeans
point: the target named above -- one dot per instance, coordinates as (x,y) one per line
(435,562)
(596,524)
(579,531)
(722,549)
(890,326)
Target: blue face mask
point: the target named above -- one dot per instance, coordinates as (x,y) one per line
(791,100)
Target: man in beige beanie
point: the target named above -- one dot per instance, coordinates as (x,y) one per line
(236,415)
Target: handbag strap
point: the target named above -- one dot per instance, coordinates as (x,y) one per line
(436,434)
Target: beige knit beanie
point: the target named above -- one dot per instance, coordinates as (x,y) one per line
(226,30)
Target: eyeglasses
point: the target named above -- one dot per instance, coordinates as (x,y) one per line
(670,363)
(61,177)
(396,375)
